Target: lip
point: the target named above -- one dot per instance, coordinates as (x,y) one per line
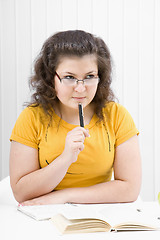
(78,98)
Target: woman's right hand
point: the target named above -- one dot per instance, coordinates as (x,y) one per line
(75,143)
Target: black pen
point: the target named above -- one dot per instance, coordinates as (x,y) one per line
(80,107)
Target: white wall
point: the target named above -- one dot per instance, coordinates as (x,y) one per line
(131,28)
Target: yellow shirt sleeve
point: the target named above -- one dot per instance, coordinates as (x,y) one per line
(26,130)
(124,126)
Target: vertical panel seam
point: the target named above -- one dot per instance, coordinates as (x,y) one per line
(154,100)
(31,26)
(0,92)
(139,72)
(46,19)
(91,16)
(31,45)
(123,52)
(15,12)
(76,14)
(61,14)
(138,69)
(107,37)
(15,51)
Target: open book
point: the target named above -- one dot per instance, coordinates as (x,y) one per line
(85,225)
(72,218)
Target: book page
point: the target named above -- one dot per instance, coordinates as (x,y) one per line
(71,211)
(79,225)
(45,212)
(124,213)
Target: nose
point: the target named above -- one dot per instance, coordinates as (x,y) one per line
(80,87)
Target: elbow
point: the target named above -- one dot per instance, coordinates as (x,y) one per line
(133,198)
(128,191)
(18,197)
(18,194)
(132,192)
(136,189)
(129,197)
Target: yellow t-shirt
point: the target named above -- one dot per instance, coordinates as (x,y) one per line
(95,163)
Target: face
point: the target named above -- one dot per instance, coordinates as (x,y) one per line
(79,68)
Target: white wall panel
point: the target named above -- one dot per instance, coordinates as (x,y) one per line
(157,98)
(0,92)
(115,43)
(54,16)
(38,25)
(8,80)
(69,14)
(131,29)
(131,57)
(23,51)
(85,15)
(100,18)
(146,101)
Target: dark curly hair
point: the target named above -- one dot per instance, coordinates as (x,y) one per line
(70,43)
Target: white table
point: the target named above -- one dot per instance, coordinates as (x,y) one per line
(17,226)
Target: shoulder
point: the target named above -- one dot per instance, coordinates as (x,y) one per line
(113,109)
(28,127)
(120,121)
(32,117)
(33,113)
(118,115)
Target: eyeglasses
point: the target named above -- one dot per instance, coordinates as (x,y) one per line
(72,81)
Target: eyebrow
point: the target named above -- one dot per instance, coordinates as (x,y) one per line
(75,73)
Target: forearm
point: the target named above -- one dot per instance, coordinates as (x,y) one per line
(108,192)
(41,181)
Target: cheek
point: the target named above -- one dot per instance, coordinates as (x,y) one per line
(59,90)
(93,92)
(63,93)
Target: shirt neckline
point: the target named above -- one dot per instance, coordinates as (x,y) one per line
(59,121)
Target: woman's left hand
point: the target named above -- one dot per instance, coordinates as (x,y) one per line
(56,197)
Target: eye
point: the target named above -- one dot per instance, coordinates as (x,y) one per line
(90,76)
(69,77)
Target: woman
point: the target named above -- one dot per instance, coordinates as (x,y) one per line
(52,158)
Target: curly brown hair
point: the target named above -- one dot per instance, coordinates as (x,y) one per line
(70,43)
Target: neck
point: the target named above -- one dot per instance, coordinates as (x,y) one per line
(71,115)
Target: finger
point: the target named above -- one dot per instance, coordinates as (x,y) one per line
(77,146)
(80,130)
(31,203)
(85,132)
(78,138)
(26,203)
